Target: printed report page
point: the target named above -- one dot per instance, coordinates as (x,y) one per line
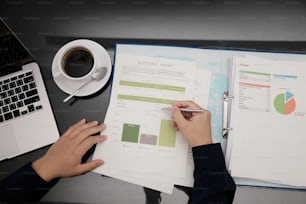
(141,138)
(268,130)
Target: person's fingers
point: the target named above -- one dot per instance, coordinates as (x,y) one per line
(184,104)
(72,127)
(89,131)
(82,127)
(187,115)
(178,117)
(89,142)
(83,168)
(187,104)
(173,123)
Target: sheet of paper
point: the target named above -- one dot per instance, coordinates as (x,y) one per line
(141,137)
(201,96)
(270,114)
(152,181)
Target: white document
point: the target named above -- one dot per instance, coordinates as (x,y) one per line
(268,135)
(141,138)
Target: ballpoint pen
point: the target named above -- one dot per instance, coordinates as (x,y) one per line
(184,109)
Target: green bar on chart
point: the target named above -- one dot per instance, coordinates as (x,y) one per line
(130,133)
(167,134)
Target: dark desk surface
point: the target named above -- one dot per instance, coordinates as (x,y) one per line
(45,25)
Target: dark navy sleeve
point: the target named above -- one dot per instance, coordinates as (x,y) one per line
(212,182)
(24,186)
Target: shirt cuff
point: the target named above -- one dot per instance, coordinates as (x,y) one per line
(208,156)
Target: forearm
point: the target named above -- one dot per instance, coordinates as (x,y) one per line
(212,183)
(24,185)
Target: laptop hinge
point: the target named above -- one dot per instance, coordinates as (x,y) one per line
(8,69)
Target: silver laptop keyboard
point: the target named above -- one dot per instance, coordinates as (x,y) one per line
(18,96)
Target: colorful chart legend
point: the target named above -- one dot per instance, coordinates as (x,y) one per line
(284,103)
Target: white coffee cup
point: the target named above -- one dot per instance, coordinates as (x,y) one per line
(68,83)
(76,62)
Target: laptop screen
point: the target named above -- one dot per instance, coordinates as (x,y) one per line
(12,53)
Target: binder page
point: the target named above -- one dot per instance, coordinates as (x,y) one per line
(268,134)
(141,138)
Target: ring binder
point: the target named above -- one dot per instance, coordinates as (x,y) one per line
(230,98)
(225,127)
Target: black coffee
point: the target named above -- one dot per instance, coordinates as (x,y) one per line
(78,63)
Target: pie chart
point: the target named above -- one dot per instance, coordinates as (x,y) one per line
(284,103)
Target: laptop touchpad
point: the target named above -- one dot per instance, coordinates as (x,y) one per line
(8,146)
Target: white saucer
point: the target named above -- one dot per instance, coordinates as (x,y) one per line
(69,86)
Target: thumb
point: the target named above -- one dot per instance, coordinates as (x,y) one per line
(178,117)
(83,168)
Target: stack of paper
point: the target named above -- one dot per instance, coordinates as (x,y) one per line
(143,147)
(268,115)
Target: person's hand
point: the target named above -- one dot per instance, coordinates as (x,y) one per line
(195,127)
(63,159)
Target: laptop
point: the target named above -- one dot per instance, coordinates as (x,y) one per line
(26,118)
